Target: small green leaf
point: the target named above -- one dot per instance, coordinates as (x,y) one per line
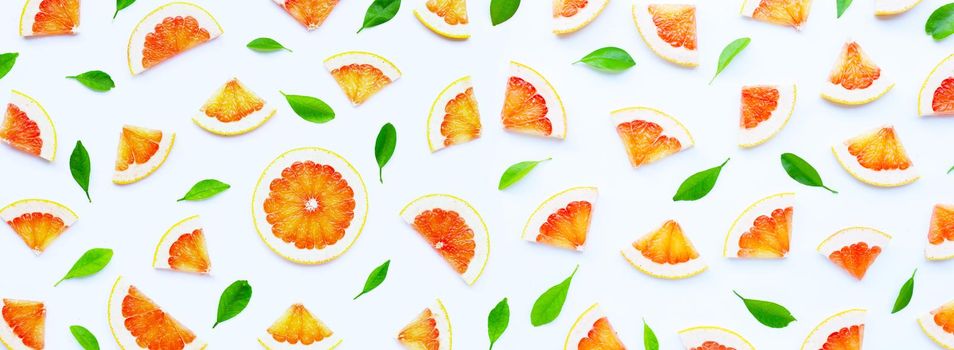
(502,10)
(380,12)
(768,313)
(266,45)
(516,172)
(204,189)
(384,147)
(96,80)
(84,337)
(122,4)
(699,184)
(950,170)
(905,294)
(729,53)
(93,261)
(842,6)
(799,170)
(375,278)
(941,23)
(310,108)
(234,299)
(549,305)
(609,59)
(80,167)
(649,338)
(7,61)
(497,321)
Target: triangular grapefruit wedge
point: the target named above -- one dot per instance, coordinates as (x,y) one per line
(713,338)
(28,128)
(855,79)
(454,118)
(665,253)
(844,330)
(182,248)
(140,153)
(763,230)
(49,17)
(23,325)
(454,229)
(430,330)
(138,323)
(447,18)
(792,13)
(941,233)
(649,134)
(877,158)
(233,110)
(669,30)
(592,331)
(38,222)
(167,31)
(764,112)
(936,97)
(854,249)
(531,105)
(297,328)
(310,13)
(361,74)
(938,324)
(563,220)
(572,15)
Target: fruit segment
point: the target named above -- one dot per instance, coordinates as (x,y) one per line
(310,13)
(38,222)
(844,330)
(138,323)
(941,233)
(297,328)
(665,253)
(669,30)
(454,229)
(592,331)
(649,135)
(28,128)
(447,18)
(168,31)
(141,152)
(936,97)
(563,220)
(24,325)
(49,17)
(938,324)
(713,338)
(764,112)
(454,118)
(763,230)
(854,249)
(182,248)
(791,13)
(361,74)
(893,7)
(430,330)
(877,158)
(855,79)
(233,110)
(531,105)
(572,15)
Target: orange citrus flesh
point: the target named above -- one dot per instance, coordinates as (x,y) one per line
(422,333)
(453,12)
(879,150)
(668,245)
(769,235)
(462,119)
(310,205)
(847,338)
(711,345)
(524,109)
(136,145)
(233,103)
(27,319)
(298,325)
(20,131)
(360,81)
(449,235)
(675,24)
(645,143)
(310,13)
(942,224)
(944,317)
(567,227)
(601,337)
(150,326)
(855,258)
(785,12)
(38,230)
(56,17)
(943,101)
(188,253)
(758,103)
(854,70)
(171,37)
(568,8)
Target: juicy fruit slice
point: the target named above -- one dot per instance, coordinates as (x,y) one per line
(572,15)
(24,324)
(454,118)
(138,323)
(854,249)
(877,158)
(893,7)
(844,330)
(765,110)
(361,74)
(430,330)
(28,128)
(713,338)
(665,253)
(855,79)
(310,13)
(454,229)
(669,30)
(140,153)
(168,31)
(49,17)
(782,12)
(447,18)
(562,220)
(939,325)
(763,230)
(936,97)
(297,328)
(233,110)
(182,248)
(592,331)
(649,134)
(531,105)
(38,222)
(941,233)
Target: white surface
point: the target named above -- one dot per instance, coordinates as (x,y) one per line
(632,201)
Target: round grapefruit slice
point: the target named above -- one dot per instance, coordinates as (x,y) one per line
(936,97)
(713,338)
(941,233)
(431,330)
(562,220)
(572,15)
(649,134)
(669,30)
(592,331)
(791,13)
(894,7)
(447,18)
(138,323)
(855,79)
(182,248)
(310,13)
(844,330)
(28,128)
(233,110)
(361,74)
(167,31)
(297,328)
(454,229)
(454,118)
(764,111)
(531,105)
(854,249)
(38,222)
(140,153)
(665,253)
(939,325)
(49,17)
(876,158)
(763,230)
(24,325)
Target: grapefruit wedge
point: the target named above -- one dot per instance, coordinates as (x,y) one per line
(309,205)
(763,230)
(28,128)
(297,328)
(764,112)
(792,13)
(454,118)
(531,105)
(939,325)
(454,229)
(854,249)
(936,97)
(855,79)
(167,31)
(38,222)
(447,18)
(49,17)
(844,330)
(361,74)
(713,338)
(430,330)
(138,323)
(649,134)
(669,30)
(572,15)
(592,331)
(877,158)
(233,110)
(941,233)
(665,253)
(310,13)
(24,324)
(182,248)
(140,153)
(894,7)
(562,220)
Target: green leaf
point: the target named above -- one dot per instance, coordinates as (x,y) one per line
(375,278)
(310,108)
(842,6)
(799,170)
(84,337)
(699,184)
(384,147)
(497,321)
(941,23)
(502,10)
(767,312)
(649,338)
(80,167)
(549,305)
(516,172)
(266,45)
(96,80)
(7,61)
(609,59)
(122,4)
(234,299)
(204,189)
(905,294)
(729,53)
(380,12)
(950,170)
(93,261)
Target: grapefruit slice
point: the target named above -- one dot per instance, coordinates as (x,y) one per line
(936,97)
(454,229)
(310,13)
(791,13)
(894,7)
(562,220)
(876,158)
(167,31)
(182,248)
(669,30)
(28,128)
(531,105)
(854,249)
(855,79)
(140,153)
(310,205)
(939,325)
(49,17)
(765,109)
(844,330)
(138,323)
(361,74)
(38,222)
(941,233)
(763,230)
(665,253)
(592,331)
(431,330)
(713,338)
(24,325)
(299,329)
(447,18)
(233,110)
(572,15)
(454,118)
(649,134)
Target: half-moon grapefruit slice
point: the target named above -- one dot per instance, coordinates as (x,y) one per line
(447,18)
(669,30)
(649,134)
(454,118)
(791,13)
(182,248)
(592,331)
(138,323)
(38,222)
(454,229)
(28,128)
(531,105)
(665,253)
(941,233)
(936,97)
(893,7)
(430,330)
(297,328)
(877,158)
(361,74)
(140,153)
(713,338)
(563,220)
(233,110)
(167,31)
(310,205)
(764,112)
(49,17)
(939,325)
(844,330)
(854,249)
(24,325)
(763,230)
(310,13)
(855,79)
(572,15)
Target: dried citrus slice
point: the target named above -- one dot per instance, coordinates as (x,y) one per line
(592,331)
(855,79)
(297,328)
(572,15)
(24,325)
(765,109)
(562,220)
(454,118)
(939,325)
(310,13)
(844,330)
(669,30)
(854,249)
(713,338)
(763,230)
(361,74)
(649,134)
(182,248)
(893,7)
(49,17)
(430,330)
(876,158)
(138,323)
(665,253)
(531,104)
(936,97)
(941,233)
(792,13)
(447,18)
(233,110)
(28,128)
(38,222)
(454,229)
(140,152)
(167,31)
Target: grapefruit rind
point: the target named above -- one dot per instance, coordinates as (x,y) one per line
(819,335)
(554,203)
(114,316)
(838,94)
(566,25)
(437,24)
(8,338)
(940,72)
(893,7)
(767,129)
(879,178)
(937,333)
(696,336)
(470,215)
(33,205)
(160,259)
(246,124)
(648,31)
(387,68)
(33,110)
(435,141)
(663,270)
(136,172)
(744,221)
(145,26)
(443,325)
(582,326)
(549,94)
(28,17)
(672,127)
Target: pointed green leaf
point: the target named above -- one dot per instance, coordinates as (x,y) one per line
(7,61)
(384,147)
(941,23)
(122,4)
(234,299)
(649,338)
(905,294)
(842,5)
(266,45)
(91,262)
(767,313)
(310,108)
(95,80)
(497,321)
(699,184)
(502,10)
(80,167)
(380,12)
(204,189)
(609,59)
(799,170)
(729,53)
(375,278)
(549,305)
(516,172)
(84,337)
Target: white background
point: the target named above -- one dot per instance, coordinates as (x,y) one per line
(130,219)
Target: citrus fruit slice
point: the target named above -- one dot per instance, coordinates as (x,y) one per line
(140,153)
(38,222)
(361,74)
(855,79)
(669,30)
(763,230)
(844,330)
(24,324)
(562,220)
(592,331)
(182,248)
(941,233)
(649,134)
(167,31)
(447,18)
(665,253)
(713,338)
(936,97)
(297,328)
(454,229)
(454,118)
(939,325)
(138,323)
(876,158)
(572,15)
(792,13)
(233,110)
(49,17)
(893,7)
(854,249)
(531,104)
(28,128)
(430,330)
(765,109)
(310,205)
(310,13)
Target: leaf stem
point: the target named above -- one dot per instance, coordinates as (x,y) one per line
(829,189)
(58,282)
